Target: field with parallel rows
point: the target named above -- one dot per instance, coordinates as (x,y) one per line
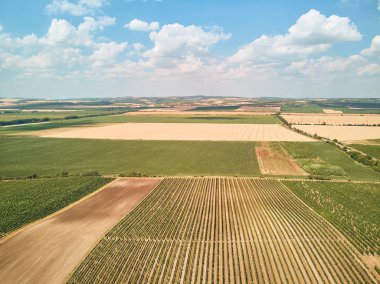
(230,230)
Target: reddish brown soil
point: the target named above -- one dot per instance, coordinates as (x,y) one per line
(273,162)
(48,251)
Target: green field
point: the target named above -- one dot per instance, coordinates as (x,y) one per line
(26,156)
(353,208)
(302,108)
(323,159)
(52,115)
(373,150)
(24,201)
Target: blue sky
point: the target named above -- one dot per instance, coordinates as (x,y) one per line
(106,48)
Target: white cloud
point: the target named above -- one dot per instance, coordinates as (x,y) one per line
(82,7)
(374,49)
(370,69)
(312,33)
(106,53)
(327,65)
(176,42)
(61,32)
(138,46)
(378,5)
(138,25)
(313,28)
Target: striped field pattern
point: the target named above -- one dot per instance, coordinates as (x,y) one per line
(222,230)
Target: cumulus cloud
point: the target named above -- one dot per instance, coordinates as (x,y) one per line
(313,28)
(312,33)
(107,53)
(176,42)
(80,8)
(374,49)
(61,32)
(138,25)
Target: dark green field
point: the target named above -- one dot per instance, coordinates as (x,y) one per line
(323,159)
(24,201)
(353,208)
(25,156)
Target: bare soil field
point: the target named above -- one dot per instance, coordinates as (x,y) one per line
(332,111)
(343,133)
(262,109)
(332,119)
(48,251)
(275,161)
(180,131)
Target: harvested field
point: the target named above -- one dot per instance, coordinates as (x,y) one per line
(332,119)
(342,133)
(273,160)
(332,111)
(47,251)
(214,230)
(180,131)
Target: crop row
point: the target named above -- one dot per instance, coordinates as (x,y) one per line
(230,230)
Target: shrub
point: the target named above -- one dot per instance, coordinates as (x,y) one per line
(91,174)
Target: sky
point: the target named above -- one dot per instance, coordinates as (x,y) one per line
(112,48)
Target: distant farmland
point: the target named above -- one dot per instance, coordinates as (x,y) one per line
(209,230)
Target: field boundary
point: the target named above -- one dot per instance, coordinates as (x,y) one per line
(26,226)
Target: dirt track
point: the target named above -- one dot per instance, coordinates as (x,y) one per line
(48,251)
(180,131)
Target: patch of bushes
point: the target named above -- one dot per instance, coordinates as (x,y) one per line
(91,174)
(321,168)
(316,177)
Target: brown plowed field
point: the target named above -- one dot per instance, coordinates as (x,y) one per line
(48,251)
(276,161)
(180,131)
